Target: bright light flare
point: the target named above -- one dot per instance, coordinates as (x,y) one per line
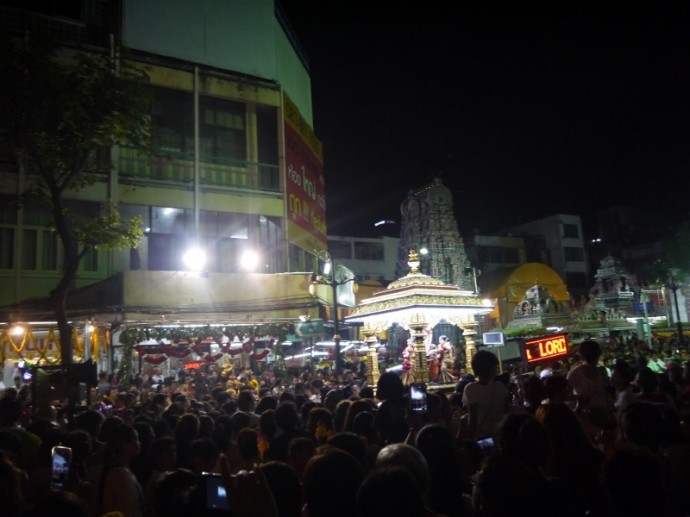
(194,259)
(249,260)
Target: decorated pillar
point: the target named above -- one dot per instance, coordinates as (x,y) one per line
(469,331)
(417,326)
(373,373)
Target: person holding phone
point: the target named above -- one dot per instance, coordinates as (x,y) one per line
(487,400)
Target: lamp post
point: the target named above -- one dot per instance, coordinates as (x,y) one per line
(330,278)
(674,288)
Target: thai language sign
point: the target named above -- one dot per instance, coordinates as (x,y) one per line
(304,182)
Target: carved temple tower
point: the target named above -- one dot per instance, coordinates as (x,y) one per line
(428,222)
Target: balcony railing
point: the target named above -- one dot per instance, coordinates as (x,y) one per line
(180,169)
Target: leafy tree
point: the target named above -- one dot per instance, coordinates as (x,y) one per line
(60,113)
(674,266)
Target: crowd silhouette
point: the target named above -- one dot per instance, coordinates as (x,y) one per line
(600,434)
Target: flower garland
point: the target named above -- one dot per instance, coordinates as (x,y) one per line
(42,346)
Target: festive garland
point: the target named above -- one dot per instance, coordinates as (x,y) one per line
(132,336)
(179,352)
(42,346)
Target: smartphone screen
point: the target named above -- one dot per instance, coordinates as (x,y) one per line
(61,460)
(487,446)
(418,402)
(214,492)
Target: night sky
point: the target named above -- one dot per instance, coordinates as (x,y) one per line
(522,113)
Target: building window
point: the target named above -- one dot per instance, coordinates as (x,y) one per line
(572,254)
(6,248)
(570,231)
(498,255)
(270,238)
(340,249)
(222,128)
(49,245)
(368,250)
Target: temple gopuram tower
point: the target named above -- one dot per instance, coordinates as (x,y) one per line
(428,222)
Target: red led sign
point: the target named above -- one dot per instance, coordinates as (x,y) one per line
(545,348)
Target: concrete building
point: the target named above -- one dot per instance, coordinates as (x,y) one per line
(563,248)
(370,258)
(236,167)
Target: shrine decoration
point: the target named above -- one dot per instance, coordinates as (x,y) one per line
(155,359)
(28,342)
(179,351)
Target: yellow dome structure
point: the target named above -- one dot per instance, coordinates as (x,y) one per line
(508,287)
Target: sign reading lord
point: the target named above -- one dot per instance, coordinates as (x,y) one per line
(305,184)
(545,348)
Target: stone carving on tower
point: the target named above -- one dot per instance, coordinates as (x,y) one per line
(428,222)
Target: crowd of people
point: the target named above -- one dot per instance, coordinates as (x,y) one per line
(601,434)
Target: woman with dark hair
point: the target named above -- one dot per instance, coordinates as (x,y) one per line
(120,490)
(486,400)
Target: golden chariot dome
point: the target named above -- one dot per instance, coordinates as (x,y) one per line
(418,295)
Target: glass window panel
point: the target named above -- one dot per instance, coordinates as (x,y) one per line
(208,223)
(570,231)
(6,248)
(49,250)
(340,249)
(169,220)
(8,210)
(368,250)
(129,211)
(161,252)
(29,249)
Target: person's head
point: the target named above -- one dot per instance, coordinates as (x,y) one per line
(555,388)
(300,451)
(622,374)
(647,380)
(171,493)
(504,484)
(643,423)
(589,351)
(524,437)
(248,443)
(323,496)
(285,486)
(246,401)
(204,455)
(484,364)
(351,443)
(187,427)
(389,386)
(389,491)
(636,481)
(409,458)
(123,443)
(532,390)
(163,454)
(287,416)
